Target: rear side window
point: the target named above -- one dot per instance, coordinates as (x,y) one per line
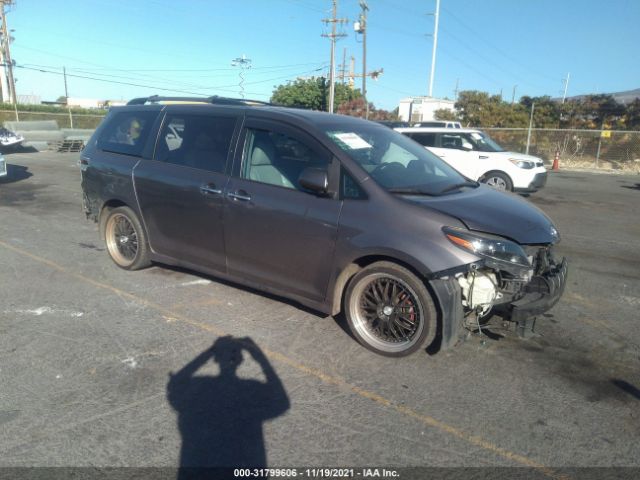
(127,132)
(196,141)
(424,139)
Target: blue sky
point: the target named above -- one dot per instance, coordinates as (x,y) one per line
(188,46)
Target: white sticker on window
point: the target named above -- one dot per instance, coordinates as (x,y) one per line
(352,140)
(476,136)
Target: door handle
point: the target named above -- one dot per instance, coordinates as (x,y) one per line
(483,157)
(239,195)
(210,189)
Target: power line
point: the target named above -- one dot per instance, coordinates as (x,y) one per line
(156,87)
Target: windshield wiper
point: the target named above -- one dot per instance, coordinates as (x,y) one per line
(409,191)
(456,186)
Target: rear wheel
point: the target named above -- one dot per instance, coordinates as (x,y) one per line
(498,180)
(125,239)
(389,309)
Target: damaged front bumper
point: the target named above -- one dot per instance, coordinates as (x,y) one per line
(542,293)
(515,294)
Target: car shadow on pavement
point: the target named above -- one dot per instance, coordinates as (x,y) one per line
(15,173)
(220,417)
(632,187)
(627,387)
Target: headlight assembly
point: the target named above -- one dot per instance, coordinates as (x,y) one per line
(526,164)
(491,247)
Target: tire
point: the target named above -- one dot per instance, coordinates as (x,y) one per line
(125,239)
(498,180)
(373,300)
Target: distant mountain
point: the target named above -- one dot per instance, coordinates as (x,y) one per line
(620,97)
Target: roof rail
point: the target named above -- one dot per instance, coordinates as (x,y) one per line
(215,99)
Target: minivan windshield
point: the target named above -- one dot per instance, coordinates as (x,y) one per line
(396,162)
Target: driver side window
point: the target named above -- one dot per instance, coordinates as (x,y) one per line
(455,141)
(278,159)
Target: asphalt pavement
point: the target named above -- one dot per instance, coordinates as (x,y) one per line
(101,367)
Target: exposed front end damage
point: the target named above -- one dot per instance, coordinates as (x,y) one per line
(516,291)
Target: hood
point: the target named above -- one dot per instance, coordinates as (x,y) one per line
(485,209)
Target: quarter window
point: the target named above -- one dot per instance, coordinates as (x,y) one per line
(196,141)
(278,159)
(127,132)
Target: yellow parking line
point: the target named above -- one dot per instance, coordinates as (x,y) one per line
(424,419)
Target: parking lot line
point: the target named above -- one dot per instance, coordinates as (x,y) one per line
(324,377)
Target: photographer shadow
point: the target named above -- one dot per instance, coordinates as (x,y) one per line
(220,417)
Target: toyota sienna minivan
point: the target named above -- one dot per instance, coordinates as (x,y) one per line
(334,212)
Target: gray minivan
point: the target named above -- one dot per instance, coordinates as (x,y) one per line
(334,212)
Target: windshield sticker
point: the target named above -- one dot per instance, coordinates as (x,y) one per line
(352,140)
(476,136)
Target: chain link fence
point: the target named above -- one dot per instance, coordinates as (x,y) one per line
(64,120)
(606,149)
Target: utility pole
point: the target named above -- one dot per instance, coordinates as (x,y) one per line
(533,107)
(244,63)
(6,53)
(566,86)
(362,28)
(343,65)
(455,91)
(352,71)
(435,46)
(66,96)
(513,95)
(333,36)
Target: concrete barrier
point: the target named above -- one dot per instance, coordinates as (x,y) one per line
(32,125)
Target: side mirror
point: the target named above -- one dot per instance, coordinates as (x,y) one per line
(466,147)
(314,179)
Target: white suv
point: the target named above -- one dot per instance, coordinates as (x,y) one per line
(474,154)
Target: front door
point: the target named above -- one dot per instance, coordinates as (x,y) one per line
(276,233)
(180,191)
(450,147)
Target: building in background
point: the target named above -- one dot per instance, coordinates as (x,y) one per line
(29,99)
(422,109)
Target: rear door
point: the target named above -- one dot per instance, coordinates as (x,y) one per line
(180,191)
(276,233)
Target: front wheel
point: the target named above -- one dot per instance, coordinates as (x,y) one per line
(498,180)
(125,239)
(389,309)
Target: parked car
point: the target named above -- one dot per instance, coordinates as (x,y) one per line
(3,167)
(439,124)
(474,154)
(334,212)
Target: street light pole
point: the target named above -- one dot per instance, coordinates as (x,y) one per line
(435,46)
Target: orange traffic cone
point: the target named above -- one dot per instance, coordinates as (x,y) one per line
(556,161)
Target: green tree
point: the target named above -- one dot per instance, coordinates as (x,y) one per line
(445,114)
(356,108)
(312,93)
(631,117)
(479,109)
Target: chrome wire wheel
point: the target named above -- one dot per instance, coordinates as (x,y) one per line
(386,313)
(498,183)
(122,239)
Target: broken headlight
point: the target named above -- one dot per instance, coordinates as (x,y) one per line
(492,247)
